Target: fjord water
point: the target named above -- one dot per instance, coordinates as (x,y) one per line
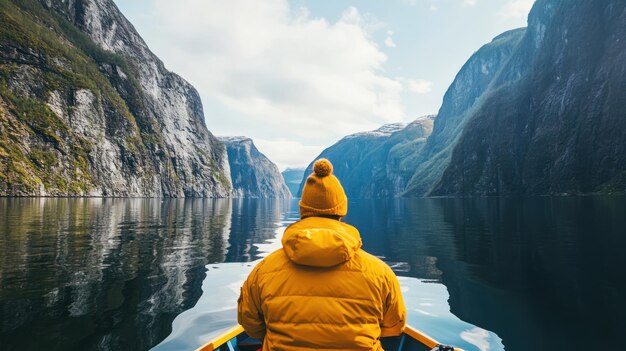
(483,273)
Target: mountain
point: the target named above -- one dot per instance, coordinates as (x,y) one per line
(469,87)
(378,163)
(293,177)
(553,118)
(87,110)
(253,174)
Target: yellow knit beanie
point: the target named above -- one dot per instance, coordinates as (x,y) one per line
(322,193)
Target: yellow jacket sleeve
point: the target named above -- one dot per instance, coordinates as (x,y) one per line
(249,313)
(394,317)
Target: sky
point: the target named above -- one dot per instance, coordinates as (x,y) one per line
(298,75)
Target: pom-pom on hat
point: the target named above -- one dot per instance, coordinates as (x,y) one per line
(322,193)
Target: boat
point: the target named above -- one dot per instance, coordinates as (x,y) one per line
(236,339)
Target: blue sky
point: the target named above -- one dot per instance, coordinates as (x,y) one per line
(298,75)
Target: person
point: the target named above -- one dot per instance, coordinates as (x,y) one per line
(321,291)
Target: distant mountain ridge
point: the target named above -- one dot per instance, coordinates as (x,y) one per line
(253,175)
(377,163)
(384,131)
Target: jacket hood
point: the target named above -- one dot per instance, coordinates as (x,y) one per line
(320,242)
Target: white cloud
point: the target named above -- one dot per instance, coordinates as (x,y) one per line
(419,86)
(432,5)
(517,9)
(389,42)
(280,70)
(283,152)
(469,2)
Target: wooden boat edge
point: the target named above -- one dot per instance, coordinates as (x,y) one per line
(238,329)
(222,339)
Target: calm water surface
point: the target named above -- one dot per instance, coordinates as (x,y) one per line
(484,274)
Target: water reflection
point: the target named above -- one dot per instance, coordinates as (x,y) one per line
(542,273)
(110,273)
(253,221)
(118,274)
(556,266)
(215,311)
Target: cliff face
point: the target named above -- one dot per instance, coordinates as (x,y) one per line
(377,163)
(553,120)
(253,174)
(469,87)
(86,109)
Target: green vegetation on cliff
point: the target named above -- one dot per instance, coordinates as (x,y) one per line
(41,53)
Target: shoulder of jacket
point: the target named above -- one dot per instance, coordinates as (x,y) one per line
(274,261)
(374,264)
(371,259)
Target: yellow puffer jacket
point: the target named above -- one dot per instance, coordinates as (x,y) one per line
(321,291)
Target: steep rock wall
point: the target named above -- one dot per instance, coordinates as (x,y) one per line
(87,110)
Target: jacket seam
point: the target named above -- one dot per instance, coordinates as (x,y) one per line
(327,296)
(324,323)
(346,271)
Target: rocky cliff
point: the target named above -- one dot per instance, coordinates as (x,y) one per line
(377,163)
(469,87)
(553,120)
(87,110)
(253,174)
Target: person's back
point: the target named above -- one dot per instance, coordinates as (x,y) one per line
(321,291)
